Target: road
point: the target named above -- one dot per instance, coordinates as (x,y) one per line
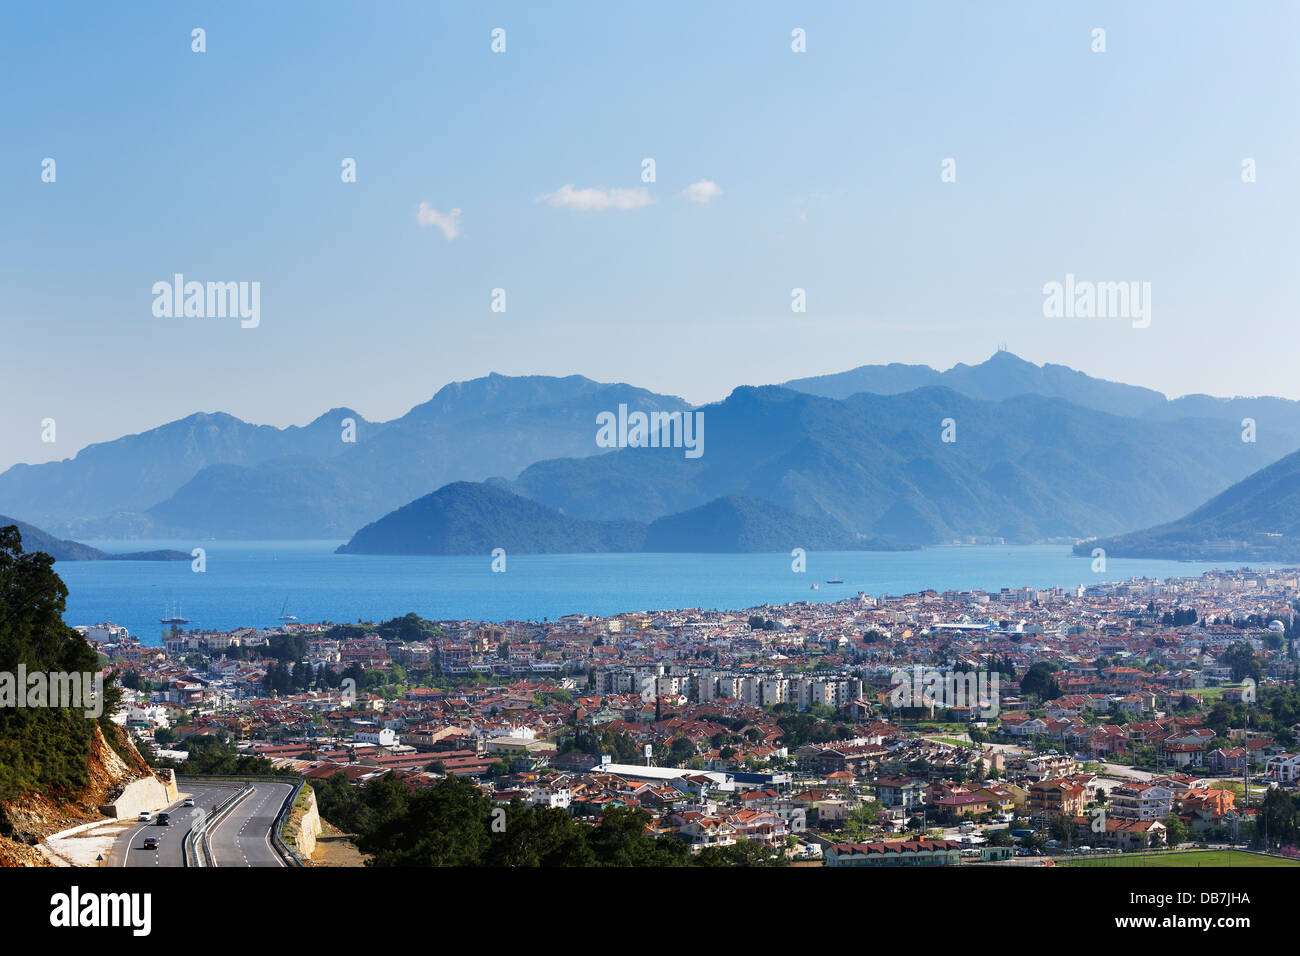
(243,836)
(128,849)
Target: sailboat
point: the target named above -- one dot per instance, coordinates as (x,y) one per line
(284,612)
(173,617)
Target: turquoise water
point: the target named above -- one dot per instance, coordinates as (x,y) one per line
(246,583)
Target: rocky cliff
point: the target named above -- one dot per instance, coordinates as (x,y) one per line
(28,819)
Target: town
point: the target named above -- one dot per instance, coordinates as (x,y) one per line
(1131,716)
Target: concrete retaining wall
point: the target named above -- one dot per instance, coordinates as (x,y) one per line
(148,793)
(304,844)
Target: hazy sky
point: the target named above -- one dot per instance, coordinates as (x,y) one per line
(774,170)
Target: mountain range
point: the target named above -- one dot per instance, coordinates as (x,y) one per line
(1005,375)
(478,517)
(215,476)
(1032,453)
(1257,519)
(1024,469)
(34,539)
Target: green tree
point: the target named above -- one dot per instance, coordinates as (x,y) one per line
(45,748)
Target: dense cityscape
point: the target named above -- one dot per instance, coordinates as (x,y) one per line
(1128,716)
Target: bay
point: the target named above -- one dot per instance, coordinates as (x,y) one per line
(247,582)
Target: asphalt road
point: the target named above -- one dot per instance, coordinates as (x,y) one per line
(129,850)
(243,836)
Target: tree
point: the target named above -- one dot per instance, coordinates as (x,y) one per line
(741,853)
(1241,658)
(1279,819)
(861,823)
(46,748)
(1039,682)
(443,825)
(1176,831)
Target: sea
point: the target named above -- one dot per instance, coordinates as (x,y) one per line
(252,583)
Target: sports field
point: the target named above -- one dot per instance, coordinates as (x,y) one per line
(1186,858)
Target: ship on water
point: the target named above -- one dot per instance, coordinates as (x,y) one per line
(284,612)
(173,617)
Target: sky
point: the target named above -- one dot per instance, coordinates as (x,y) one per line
(522,170)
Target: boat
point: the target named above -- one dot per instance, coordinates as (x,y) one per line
(284,612)
(174,618)
(835,581)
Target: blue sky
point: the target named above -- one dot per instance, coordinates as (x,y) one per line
(224,166)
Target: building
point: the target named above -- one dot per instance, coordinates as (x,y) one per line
(1140,802)
(895,853)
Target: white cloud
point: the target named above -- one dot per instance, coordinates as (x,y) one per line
(449,222)
(597,198)
(703,192)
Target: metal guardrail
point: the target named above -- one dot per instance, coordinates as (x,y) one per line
(282,849)
(286,810)
(195,849)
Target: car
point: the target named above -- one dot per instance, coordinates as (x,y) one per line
(145,815)
(189,802)
(164,819)
(151,843)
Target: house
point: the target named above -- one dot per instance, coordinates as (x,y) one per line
(1059,797)
(1139,801)
(1182,755)
(1284,768)
(1000,800)
(1230,760)
(1049,765)
(1125,834)
(761,826)
(1208,808)
(964,804)
(905,792)
(702,831)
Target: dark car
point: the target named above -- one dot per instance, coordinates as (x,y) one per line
(151,843)
(164,819)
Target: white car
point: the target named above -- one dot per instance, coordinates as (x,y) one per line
(145,815)
(189,802)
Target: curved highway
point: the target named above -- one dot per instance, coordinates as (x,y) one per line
(129,849)
(243,836)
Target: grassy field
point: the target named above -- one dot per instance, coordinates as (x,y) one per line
(1185,858)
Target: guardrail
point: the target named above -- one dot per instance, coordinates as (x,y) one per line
(277,831)
(282,849)
(195,849)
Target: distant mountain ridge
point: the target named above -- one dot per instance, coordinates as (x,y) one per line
(1037,457)
(34,539)
(1000,377)
(1005,375)
(1024,469)
(1257,519)
(213,475)
(476,518)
